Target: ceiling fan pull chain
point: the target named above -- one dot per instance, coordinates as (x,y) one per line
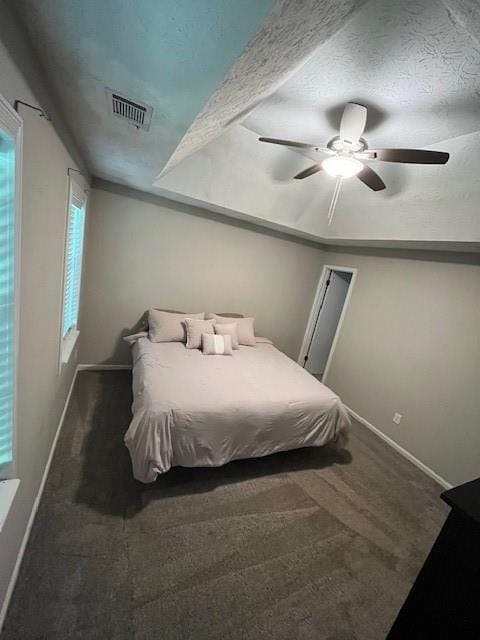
(333,203)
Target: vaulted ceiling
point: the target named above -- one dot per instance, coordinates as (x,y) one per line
(409,62)
(168,54)
(219,74)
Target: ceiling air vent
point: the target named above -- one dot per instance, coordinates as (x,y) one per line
(133,112)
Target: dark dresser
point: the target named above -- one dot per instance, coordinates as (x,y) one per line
(444,602)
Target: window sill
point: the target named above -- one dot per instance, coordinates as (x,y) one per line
(68,345)
(8,489)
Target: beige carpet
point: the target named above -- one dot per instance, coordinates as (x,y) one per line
(306,545)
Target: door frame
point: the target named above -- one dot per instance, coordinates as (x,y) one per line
(322,283)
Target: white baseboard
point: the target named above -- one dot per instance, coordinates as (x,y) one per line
(38,497)
(103,367)
(406,454)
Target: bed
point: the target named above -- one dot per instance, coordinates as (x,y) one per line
(193,410)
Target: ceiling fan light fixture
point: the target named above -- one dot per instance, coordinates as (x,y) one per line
(342,166)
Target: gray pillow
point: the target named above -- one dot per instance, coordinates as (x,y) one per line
(215,345)
(164,326)
(194,329)
(132,339)
(228,314)
(227,330)
(142,324)
(245,331)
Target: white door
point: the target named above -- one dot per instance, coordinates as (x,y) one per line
(330,312)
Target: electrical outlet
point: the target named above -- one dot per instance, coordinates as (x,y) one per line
(397,417)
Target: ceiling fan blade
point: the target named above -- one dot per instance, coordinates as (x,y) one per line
(308,172)
(353,122)
(369,177)
(411,156)
(289,143)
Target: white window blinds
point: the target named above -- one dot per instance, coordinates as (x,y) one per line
(73,258)
(8,203)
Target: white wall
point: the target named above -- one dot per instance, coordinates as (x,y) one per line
(144,251)
(410,343)
(41,391)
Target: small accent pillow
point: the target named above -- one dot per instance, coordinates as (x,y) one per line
(245,331)
(195,329)
(215,345)
(164,326)
(227,330)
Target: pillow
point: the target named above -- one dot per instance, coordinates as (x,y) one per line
(244,328)
(132,339)
(214,345)
(227,330)
(164,326)
(194,329)
(142,324)
(230,315)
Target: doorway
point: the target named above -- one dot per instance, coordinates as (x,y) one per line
(326,318)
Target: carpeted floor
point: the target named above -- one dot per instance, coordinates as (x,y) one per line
(306,545)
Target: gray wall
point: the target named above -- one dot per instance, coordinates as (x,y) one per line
(144,251)
(41,391)
(410,343)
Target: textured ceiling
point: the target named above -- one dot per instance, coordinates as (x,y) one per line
(290,34)
(170,54)
(414,66)
(417,67)
(467,14)
(428,204)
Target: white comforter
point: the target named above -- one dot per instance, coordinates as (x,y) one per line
(194,410)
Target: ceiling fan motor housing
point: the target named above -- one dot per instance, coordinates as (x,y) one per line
(337,144)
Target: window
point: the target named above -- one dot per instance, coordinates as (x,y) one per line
(10,162)
(73,269)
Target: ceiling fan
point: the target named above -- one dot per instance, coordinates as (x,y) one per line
(348,152)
